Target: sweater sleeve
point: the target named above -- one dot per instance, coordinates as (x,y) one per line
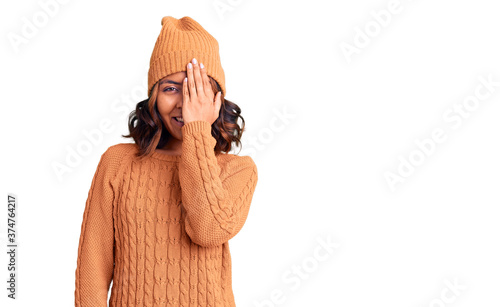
(95,261)
(216,200)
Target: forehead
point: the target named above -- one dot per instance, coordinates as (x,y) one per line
(175,76)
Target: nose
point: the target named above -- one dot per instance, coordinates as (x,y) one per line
(178,103)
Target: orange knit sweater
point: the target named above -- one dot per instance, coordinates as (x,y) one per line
(159,228)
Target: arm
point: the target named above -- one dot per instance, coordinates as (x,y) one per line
(216,200)
(95,262)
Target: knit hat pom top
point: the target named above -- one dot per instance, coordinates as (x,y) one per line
(179,41)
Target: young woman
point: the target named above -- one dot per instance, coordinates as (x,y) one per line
(160,211)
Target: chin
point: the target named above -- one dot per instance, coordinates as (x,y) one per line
(176,135)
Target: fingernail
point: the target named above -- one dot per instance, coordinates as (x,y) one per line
(194,61)
(202,66)
(190,65)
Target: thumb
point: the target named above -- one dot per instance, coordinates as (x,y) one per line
(218,100)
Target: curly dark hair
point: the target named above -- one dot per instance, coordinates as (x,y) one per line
(149,132)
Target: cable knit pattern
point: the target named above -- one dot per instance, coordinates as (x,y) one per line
(158,228)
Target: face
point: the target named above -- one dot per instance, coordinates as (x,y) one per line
(169,102)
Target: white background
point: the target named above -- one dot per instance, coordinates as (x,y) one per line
(323,128)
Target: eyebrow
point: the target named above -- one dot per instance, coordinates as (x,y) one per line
(170,81)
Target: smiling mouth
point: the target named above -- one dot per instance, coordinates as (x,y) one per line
(178,121)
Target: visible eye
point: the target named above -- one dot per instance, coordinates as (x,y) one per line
(166,89)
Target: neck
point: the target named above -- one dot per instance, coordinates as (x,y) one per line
(173,146)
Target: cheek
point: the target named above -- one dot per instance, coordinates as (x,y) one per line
(164,104)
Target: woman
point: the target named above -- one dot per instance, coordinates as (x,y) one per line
(160,212)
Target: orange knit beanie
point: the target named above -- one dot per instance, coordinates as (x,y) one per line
(180,41)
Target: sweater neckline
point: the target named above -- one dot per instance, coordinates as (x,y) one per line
(165,157)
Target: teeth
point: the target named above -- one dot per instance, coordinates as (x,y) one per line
(180,119)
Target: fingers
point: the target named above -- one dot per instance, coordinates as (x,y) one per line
(197,78)
(191,80)
(198,83)
(185,91)
(206,83)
